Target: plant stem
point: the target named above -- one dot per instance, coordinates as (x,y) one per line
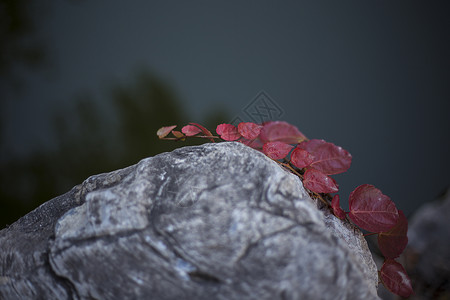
(184,137)
(369,234)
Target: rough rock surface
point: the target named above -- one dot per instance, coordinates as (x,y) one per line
(217,221)
(427,257)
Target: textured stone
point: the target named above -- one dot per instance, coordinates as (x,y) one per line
(217,221)
(427,257)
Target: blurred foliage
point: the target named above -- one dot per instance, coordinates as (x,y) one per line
(20,48)
(93,138)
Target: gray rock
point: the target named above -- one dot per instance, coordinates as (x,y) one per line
(217,221)
(427,257)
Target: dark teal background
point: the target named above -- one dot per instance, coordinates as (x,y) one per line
(370,76)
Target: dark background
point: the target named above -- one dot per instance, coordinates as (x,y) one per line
(84,85)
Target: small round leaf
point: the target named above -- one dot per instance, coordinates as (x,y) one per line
(281,131)
(249,130)
(277,150)
(395,278)
(327,157)
(301,158)
(228,132)
(371,210)
(318,182)
(190,130)
(394,241)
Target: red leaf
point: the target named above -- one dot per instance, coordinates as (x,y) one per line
(277,150)
(190,130)
(301,158)
(228,132)
(255,144)
(282,132)
(371,210)
(164,131)
(327,157)
(249,130)
(311,145)
(337,210)
(318,182)
(393,242)
(204,130)
(395,278)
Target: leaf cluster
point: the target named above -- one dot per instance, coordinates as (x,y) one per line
(314,161)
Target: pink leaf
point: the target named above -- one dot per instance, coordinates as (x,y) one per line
(190,130)
(371,210)
(327,157)
(228,132)
(301,158)
(337,210)
(318,182)
(395,278)
(393,242)
(311,145)
(164,131)
(204,130)
(277,150)
(255,144)
(249,130)
(282,132)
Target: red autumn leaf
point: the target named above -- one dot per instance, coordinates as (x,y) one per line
(249,130)
(255,144)
(190,130)
(228,132)
(277,150)
(393,242)
(311,145)
(164,131)
(337,210)
(204,130)
(395,278)
(318,182)
(282,132)
(301,158)
(327,157)
(371,210)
